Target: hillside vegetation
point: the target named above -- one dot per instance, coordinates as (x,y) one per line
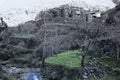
(61,41)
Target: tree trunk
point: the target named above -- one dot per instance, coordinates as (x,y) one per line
(82,61)
(118,54)
(43,60)
(44,45)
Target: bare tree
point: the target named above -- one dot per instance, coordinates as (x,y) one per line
(89,34)
(44,44)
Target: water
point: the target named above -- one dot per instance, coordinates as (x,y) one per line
(32,75)
(24,73)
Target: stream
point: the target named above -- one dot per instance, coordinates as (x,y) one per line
(24,73)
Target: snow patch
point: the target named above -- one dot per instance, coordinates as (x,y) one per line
(15,16)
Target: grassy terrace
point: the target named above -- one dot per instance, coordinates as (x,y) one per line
(72,60)
(68,59)
(22,35)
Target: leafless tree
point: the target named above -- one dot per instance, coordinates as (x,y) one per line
(44,45)
(89,34)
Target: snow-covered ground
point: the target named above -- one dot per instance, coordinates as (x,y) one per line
(89,6)
(15,16)
(15,12)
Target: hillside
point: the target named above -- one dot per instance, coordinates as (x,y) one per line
(15,16)
(62,44)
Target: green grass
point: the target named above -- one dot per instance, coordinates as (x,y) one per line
(68,59)
(23,35)
(106,77)
(111,77)
(111,62)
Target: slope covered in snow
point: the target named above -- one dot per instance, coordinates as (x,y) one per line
(89,6)
(27,11)
(19,15)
